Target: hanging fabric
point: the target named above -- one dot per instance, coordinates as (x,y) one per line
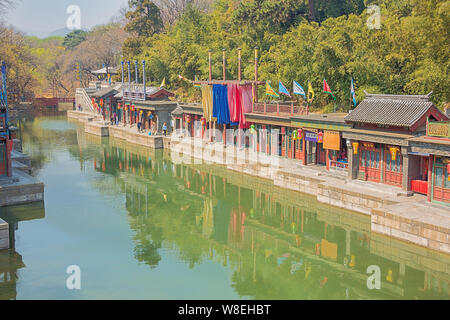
(234,102)
(207,101)
(246,94)
(220,104)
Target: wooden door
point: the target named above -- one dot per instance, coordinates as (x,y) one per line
(370,164)
(441,185)
(393,169)
(321,155)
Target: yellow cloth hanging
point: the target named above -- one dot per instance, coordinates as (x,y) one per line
(207,101)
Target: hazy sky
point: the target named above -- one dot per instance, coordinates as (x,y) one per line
(41,17)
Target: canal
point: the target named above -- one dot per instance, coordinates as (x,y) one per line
(141,226)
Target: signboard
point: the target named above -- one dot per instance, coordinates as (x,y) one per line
(368,145)
(332,140)
(438,129)
(311,136)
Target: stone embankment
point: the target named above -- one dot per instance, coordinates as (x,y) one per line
(410,219)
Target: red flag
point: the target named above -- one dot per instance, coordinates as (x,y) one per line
(327,89)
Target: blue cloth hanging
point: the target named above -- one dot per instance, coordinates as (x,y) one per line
(220,104)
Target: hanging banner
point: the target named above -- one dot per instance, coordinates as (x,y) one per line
(310,136)
(332,140)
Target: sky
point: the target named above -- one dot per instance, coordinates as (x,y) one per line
(42,17)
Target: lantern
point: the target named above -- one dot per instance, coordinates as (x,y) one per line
(101,102)
(294,135)
(132,107)
(393,151)
(203,120)
(93,101)
(355,146)
(299,134)
(141,112)
(320,137)
(188,119)
(119,106)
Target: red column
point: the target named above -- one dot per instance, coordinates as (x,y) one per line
(327,159)
(210,131)
(203,128)
(304,151)
(264,140)
(9,147)
(224,134)
(430,175)
(283,140)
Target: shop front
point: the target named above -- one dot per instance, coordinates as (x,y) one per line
(441,180)
(393,166)
(370,163)
(336,150)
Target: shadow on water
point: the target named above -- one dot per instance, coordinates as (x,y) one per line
(275,243)
(10,260)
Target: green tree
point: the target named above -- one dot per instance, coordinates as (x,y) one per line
(74,38)
(144,18)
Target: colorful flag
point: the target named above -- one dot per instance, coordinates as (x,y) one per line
(197,85)
(270,91)
(310,93)
(327,89)
(163,83)
(282,89)
(352,91)
(298,89)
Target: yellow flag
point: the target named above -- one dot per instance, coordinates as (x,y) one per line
(310,93)
(163,84)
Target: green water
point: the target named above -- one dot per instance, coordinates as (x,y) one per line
(140,226)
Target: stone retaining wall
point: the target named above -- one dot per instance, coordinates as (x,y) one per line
(421,233)
(20,194)
(96,129)
(4,235)
(136,138)
(351,200)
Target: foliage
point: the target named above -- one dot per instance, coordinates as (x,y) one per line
(407,55)
(144,18)
(74,38)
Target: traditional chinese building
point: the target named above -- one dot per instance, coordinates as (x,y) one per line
(149,105)
(384,136)
(434,151)
(6,140)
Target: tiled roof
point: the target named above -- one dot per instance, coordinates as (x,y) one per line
(105,92)
(393,110)
(111,70)
(178,111)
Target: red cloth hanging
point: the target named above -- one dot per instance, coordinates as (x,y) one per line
(246,94)
(234,102)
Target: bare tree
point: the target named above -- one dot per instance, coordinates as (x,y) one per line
(6,5)
(172,9)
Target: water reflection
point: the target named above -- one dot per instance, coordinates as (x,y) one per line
(10,260)
(279,244)
(270,243)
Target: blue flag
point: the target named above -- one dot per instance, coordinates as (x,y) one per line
(282,89)
(298,89)
(352,91)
